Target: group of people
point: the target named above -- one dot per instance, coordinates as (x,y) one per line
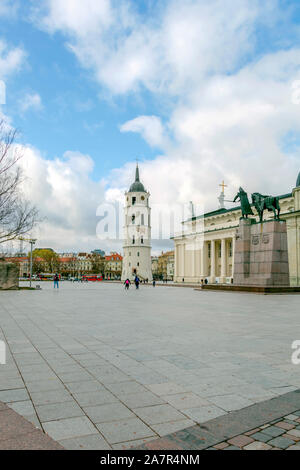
(137,282)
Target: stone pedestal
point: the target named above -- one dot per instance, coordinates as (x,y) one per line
(9,276)
(261,254)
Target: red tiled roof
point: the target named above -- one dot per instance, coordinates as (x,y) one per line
(114,257)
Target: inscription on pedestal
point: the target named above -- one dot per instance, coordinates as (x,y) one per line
(261,254)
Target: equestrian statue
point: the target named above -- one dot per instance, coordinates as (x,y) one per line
(260,202)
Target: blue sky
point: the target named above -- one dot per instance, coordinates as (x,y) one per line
(73,115)
(198,91)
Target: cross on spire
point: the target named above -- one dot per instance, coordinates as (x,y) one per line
(223,186)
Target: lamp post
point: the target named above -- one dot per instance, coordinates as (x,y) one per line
(32,242)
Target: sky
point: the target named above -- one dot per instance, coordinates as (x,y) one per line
(199,92)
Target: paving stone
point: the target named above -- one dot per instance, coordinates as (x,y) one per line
(257,446)
(100,397)
(133,445)
(45,385)
(23,408)
(53,396)
(124,388)
(108,412)
(204,413)
(291,417)
(69,428)
(232,448)
(281,442)
(294,433)
(187,400)
(273,431)
(167,388)
(58,411)
(285,425)
(172,426)
(221,446)
(240,441)
(10,396)
(261,436)
(92,442)
(294,447)
(124,430)
(230,402)
(159,414)
(142,399)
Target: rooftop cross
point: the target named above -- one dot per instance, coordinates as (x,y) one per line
(223,186)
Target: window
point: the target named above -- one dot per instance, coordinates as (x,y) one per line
(133,240)
(133,201)
(230,249)
(138,253)
(142,220)
(142,240)
(133,219)
(209,250)
(138,264)
(219,250)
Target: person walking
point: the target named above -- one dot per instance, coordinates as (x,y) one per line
(127,284)
(154,283)
(56,281)
(137,282)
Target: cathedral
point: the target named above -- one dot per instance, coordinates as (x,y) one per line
(205,248)
(137,232)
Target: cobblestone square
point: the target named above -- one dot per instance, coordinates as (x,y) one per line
(93,365)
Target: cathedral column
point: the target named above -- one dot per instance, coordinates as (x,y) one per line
(213,261)
(233,253)
(223,261)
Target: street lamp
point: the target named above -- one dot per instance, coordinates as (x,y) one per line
(32,242)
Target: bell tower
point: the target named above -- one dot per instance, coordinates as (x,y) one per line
(137,232)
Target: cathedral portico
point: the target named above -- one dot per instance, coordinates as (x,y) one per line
(213,257)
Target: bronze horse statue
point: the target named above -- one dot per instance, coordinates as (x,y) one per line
(262,203)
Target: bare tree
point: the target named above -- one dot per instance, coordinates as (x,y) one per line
(17,216)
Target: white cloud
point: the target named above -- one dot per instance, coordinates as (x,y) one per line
(31,101)
(8,8)
(11,59)
(230,98)
(150,128)
(66,196)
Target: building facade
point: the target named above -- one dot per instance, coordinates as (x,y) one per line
(137,232)
(205,249)
(113,266)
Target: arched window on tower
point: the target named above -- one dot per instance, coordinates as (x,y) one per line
(142,240)
(133,219)
(133,240)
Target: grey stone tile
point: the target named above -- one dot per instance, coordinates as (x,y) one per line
(230,402)
(159,414)
(182,401)
(10,383)
(23,408)
(125,430)
(281,442)
(53,396)
(45,385)
(82,387)
(11,396)
(100,397)
(108,412)
(93,442)
(140,400)
(167,388)
(171,427)
(124,388)
(204,413)
(69,428)
(274,431)
(133,445)
(56,411)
